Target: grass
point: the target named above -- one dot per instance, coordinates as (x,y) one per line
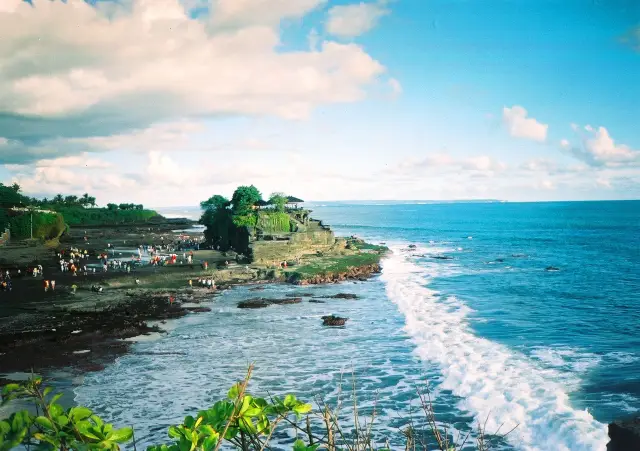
(333,264)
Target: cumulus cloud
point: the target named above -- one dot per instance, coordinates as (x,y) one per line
(356,19)
(599,149)
(521,126)
(482,165)
(148,61)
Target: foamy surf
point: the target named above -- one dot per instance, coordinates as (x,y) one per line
(496,384)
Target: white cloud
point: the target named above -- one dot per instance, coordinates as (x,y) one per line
(564,143)
(74,161)
(599,149)
(521,126)
(81,72)
(354,20)
(260,12)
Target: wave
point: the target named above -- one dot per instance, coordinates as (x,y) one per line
(496,384)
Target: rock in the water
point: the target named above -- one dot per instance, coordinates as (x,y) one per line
(332,320)
(286,301)
(344,296)
(442,257)
(316,301)
(256,289)
(254,303)
(551,268)
(265,302)
(412,246)
(624,435)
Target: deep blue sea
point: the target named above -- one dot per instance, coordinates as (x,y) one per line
(522,314)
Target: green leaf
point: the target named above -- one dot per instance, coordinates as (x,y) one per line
(174,432)
(47,391)
(122,435)
(10,388)
(302,408)
(97,420)
(252,412)
(289,401)
(210,443)
(45,423)
(55,398)
(62,420)
(5,427)
(17,422)
(299,445)
(189,421)
(79,413)
(234,392)
(55,410)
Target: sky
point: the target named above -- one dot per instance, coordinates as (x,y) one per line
(167,102)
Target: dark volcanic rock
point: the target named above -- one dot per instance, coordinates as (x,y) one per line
(255,303)
(442,257)
(265,302)
(198,309)
(316,301)
(286,301)
(332,320)
(412,246)
(551,268)
(624,435)
(257,289)
(344,296)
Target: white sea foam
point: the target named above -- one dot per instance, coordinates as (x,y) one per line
(493,381)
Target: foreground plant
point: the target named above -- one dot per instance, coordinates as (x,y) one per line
(241,421)
(52,427)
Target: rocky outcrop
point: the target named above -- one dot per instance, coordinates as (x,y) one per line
(332,320)
(355,273)
(624,435)
(265,302)
(552,268)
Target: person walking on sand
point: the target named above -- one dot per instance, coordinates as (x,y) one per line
(53,285)
(46,285)
(190,283)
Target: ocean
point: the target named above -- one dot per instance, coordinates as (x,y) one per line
(513,314)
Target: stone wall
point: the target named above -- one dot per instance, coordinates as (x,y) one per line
(295,246)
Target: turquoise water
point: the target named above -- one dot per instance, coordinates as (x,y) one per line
(496,335)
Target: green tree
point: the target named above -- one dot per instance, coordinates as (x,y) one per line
(58,199)
(244,198)
(112,207)
(216,202)
(15,187)
(279,201)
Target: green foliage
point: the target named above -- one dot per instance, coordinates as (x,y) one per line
(46,226)
(52,427)
(10,197)
(244,198)
(104,216)
(274,222)
(241,421)
(279,201)
(330,265)
(216,202)
(247,220)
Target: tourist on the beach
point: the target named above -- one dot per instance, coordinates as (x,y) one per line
(53,285)
(137,281)
(190,283)
(46,285)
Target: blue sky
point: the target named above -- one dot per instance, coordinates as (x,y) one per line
(168,102)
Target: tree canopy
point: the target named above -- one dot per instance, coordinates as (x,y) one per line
(216,202)
(279,201)
(244,198)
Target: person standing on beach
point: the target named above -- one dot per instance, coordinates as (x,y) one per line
(53,285)
(46,285)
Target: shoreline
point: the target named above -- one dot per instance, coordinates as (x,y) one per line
(80,332)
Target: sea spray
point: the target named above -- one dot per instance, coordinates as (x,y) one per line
(496,384)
